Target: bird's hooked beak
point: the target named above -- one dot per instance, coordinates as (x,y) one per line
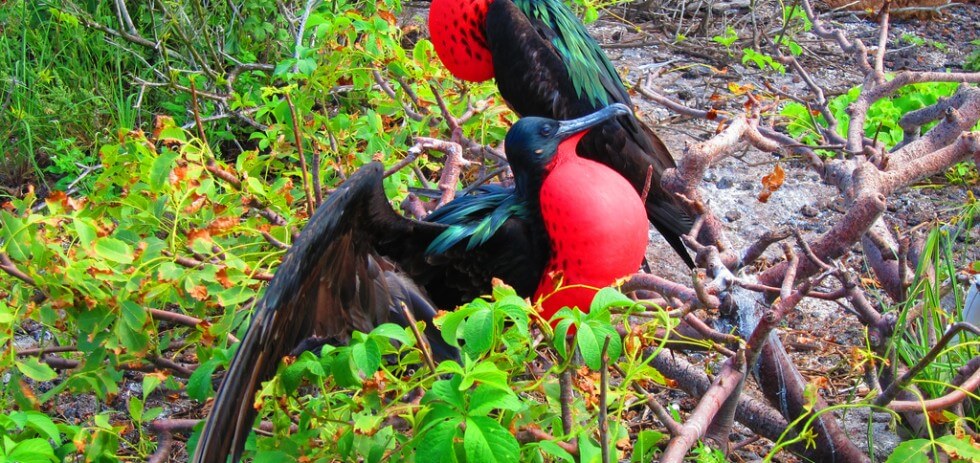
(575,126)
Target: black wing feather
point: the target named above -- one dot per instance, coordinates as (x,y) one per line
(353,266)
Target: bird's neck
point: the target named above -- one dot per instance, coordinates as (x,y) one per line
(458,30)
(566,152)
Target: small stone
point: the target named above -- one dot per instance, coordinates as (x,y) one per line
(733,215)
(809,211)
(838,205)
(695,72)
(746,185)
(724,183)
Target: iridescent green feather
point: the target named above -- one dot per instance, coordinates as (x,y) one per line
(590,70)
(475,217)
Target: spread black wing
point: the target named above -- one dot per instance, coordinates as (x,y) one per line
(351,268)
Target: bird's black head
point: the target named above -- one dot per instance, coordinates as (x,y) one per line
(533,141)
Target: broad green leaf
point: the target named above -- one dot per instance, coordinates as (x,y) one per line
(588,450)
(607,298)
(485,440)
(272,456)
(135,406)
(554,450)
(306,364)
(160,169)
(366,356)
(436,445)
(911,451)
(478,333)
(485,399)
(961,447)
(35,450)
(452,321)
(235,295)
(342,368)
(199,384)
(114,250)
(34,369)
(590,345)
(485,373)
(42,424)
(393,331)
(86,230)
(446,391)
(134,315)
(16,236)
(645,445)
(500,292)
(367,423)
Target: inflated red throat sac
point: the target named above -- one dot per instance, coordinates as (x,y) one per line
(458,33)
(597,226)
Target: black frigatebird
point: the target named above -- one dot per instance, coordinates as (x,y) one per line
(546,64)
(566,221)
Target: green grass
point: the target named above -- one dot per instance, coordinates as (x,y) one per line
(65,91)
(935,302)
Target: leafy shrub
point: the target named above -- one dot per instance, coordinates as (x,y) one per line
(882,119)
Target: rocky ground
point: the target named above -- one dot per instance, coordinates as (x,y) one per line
(697,72)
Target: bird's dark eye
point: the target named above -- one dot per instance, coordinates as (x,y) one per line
(546,130)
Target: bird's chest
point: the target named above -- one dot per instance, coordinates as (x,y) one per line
(595,221)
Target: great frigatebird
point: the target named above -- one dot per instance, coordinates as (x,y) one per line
(566,221)
(546,64)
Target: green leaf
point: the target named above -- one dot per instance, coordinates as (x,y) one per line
(366,356)
(911,451)
(645,445)
(552,449)
(42,424)
(485,440)
(607,298)
(16,236)
(485,399)
(235,295)
(135,406)
(590,345)
(367,423)
(588,451)
(959,446)
(478,333)
(199,384)
(436,445)
(560,339)
(114,250)
(255,186)
(34,369)
(133,315)
(160,169)
(86,230)
(447,391)
(306,364)
(343,369)
(393,331)
(272,456)
(486,373)
(35,450)
(452,321)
